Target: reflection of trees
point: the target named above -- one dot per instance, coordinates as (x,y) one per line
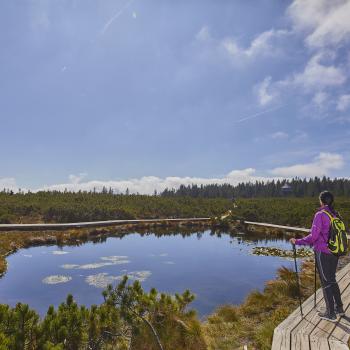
(249,237)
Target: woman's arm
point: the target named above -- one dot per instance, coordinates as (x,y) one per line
(315,231)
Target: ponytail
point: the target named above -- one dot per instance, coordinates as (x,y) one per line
(327,198)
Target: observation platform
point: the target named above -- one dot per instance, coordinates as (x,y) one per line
(312,333)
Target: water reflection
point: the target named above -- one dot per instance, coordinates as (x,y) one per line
(217,266)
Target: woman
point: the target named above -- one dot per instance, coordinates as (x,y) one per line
(326,262)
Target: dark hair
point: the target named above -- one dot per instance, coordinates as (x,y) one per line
(327,198)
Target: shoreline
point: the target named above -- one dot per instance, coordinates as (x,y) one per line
(12,241)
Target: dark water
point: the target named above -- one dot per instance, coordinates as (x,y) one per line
(217,269)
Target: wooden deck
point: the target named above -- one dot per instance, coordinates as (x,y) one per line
(312,333)
(61,226)
(285,228)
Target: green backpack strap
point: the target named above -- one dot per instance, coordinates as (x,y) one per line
(328,214)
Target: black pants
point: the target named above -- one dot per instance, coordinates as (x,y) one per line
(327,266)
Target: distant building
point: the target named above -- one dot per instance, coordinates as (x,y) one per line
(286,189)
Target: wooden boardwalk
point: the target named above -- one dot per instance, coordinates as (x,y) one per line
(312,333)
(61,226)
(286,228)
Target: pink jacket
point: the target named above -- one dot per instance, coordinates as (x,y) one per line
(318,237)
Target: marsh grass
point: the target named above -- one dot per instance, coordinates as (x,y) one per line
(252,323)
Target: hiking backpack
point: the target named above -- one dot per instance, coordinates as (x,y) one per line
(338,239)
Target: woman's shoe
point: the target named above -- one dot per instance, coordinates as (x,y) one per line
(340,311)
(326,316)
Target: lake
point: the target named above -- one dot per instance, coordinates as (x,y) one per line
(217,268)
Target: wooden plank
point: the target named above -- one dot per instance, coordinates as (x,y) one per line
(309,303)
(340,336)
(30,227)
(341,333)
(321,334)
(58,226)
(281,336)
(282,333)
(300,334)
(307,326)
(289,228)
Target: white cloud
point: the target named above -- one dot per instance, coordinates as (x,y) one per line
(321,165)
(317,76)
(264,44)
(308,14)
(232,47)
(147,184)
(279,135)
(8,183)
(264,93)
(320,99)
(326,22)
(203,34)
(295,137)
(325,28)
(75,179)
(343,102)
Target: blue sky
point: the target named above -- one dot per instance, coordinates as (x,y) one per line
(149,94)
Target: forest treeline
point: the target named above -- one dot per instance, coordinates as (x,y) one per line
(286,211)
(298,188)
(54,206)
(57,206)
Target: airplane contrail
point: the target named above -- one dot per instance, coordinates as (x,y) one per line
(252,116)
(116,15)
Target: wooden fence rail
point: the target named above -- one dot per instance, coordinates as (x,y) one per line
(60,226)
